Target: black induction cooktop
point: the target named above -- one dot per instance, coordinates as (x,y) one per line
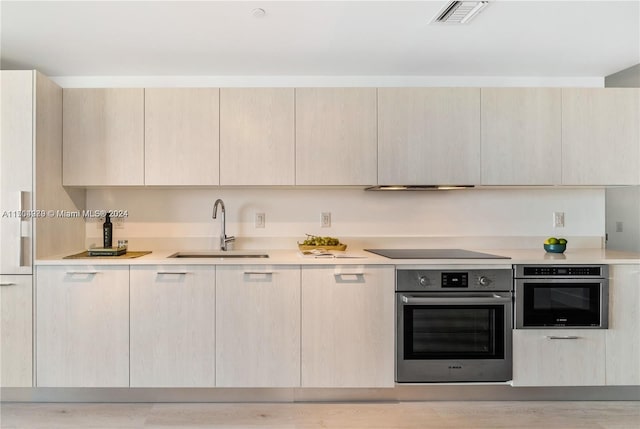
(433,254)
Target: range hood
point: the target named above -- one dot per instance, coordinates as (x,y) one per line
(417,187)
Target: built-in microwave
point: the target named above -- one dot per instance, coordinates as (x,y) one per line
(561,296)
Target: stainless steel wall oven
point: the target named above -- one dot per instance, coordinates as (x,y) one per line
(453,325)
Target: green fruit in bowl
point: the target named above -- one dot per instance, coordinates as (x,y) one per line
(562,241)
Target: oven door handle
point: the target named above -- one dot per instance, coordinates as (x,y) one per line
(495,298)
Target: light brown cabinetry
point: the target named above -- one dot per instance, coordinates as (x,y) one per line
(82,325)
(16,327)
(16,170)
(559,357)
(257,134)
(173,326)
(258,326)
(181,136)
(336,136)
(348,326)
(428,136)
(600,136)
(623,335)
(521,136)
(103,133)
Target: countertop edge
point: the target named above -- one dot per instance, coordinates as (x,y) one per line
(361,257)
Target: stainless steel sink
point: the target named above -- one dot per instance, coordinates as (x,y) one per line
(219,254)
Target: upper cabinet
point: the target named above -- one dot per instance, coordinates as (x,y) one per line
(257,144)
(336,136)
(103,133)
(600,136)
(181,136)
(521,136)
(351,136)
(428,136)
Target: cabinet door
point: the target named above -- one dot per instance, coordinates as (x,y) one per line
(600,136)
(103,137)
(428,136)
(348,326)
(82,326)
(172,326)
(258,326)
(257,136)
(623,335)
(16,331)
(336,136)
(521,136)
(181,137)
(558,357)
(16,170)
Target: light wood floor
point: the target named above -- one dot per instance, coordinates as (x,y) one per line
(403,415)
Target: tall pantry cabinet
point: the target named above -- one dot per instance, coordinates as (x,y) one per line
(30,186)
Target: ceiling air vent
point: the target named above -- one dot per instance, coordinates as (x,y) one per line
(460,12)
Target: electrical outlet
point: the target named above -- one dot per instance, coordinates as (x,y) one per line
(325,219)
(619,226)
(259,220)
(558,219)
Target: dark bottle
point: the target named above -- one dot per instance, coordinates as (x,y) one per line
(107,232)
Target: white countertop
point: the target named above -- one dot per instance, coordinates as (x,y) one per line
(361,257)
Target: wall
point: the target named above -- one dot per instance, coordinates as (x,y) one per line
(623,218)
(623,204)
(478,218)
(627,78)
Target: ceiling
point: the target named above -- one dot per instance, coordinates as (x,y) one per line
(335,38)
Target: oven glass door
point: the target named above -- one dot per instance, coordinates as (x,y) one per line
(561,304)
(453,331)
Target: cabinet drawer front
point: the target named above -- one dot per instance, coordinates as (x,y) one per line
(16,331)
(348,326)
(558,357)
(258,326)
(82,320)
(623,335)
(173,326)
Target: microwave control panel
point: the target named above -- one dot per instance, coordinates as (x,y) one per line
(562,271)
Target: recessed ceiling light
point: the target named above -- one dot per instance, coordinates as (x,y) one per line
(460,12)
(258,12)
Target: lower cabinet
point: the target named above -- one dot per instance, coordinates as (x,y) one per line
(258,326)
(348,326)
(623,335)
(173,326)
(559,357)
(16,328)
(82,325)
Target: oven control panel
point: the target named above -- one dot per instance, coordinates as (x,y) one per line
(414,280)
(457,280)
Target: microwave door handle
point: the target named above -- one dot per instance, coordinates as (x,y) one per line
(408,299)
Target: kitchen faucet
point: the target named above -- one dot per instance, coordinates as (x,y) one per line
(223,236)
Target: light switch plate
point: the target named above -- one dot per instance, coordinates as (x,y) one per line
(259,220)
(558,219)
(325,219)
